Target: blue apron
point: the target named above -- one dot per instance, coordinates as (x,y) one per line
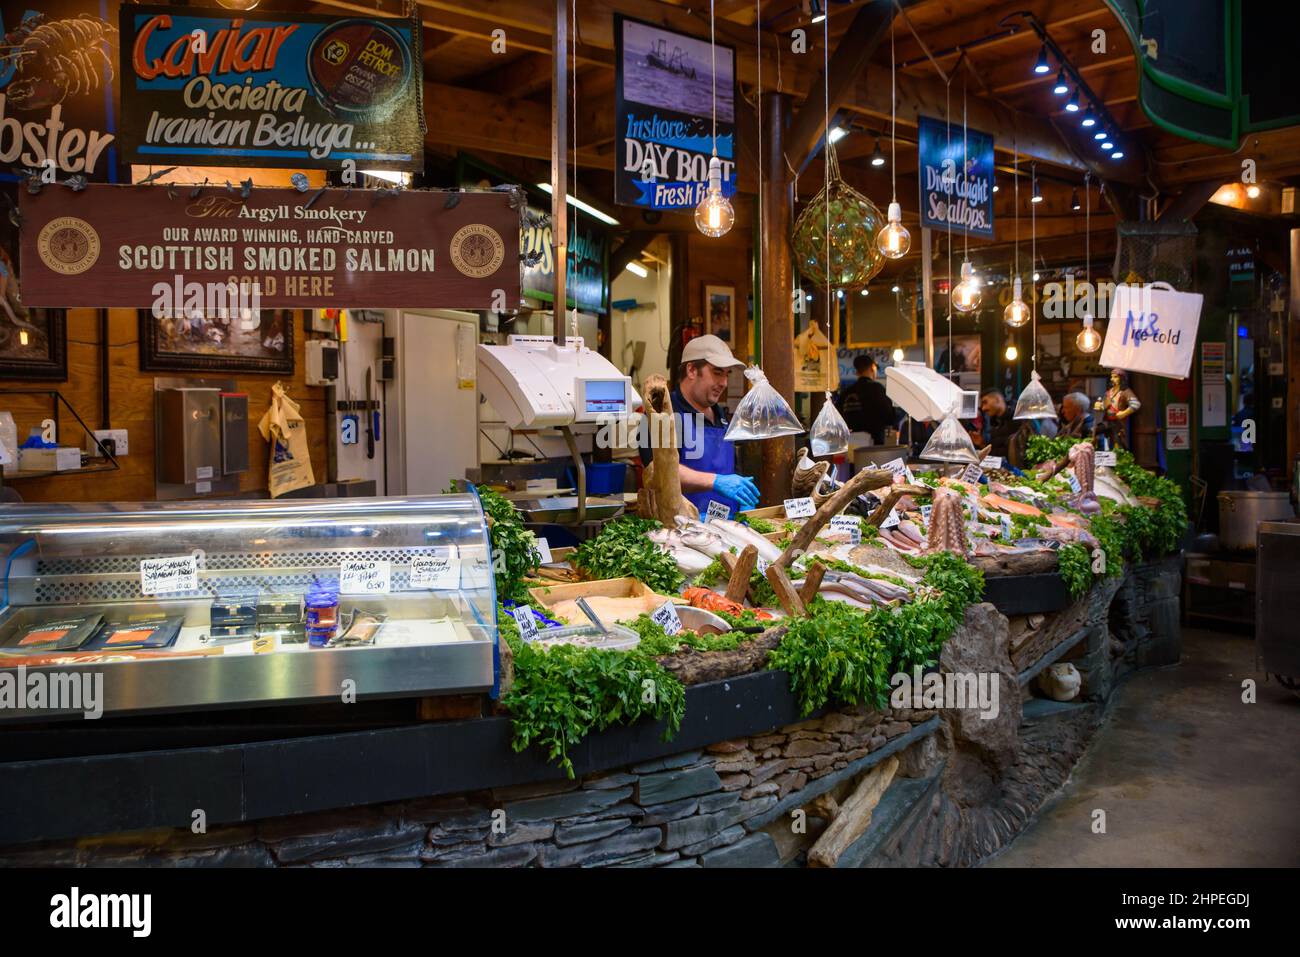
(718,456)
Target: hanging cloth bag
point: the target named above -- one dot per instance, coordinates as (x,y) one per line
(289,464)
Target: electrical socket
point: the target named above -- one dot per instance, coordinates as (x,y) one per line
(117,438)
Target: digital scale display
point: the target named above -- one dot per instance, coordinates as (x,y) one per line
(605,396)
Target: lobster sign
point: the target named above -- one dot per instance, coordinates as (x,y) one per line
(56,80)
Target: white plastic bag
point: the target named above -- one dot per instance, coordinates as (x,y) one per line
(1034,401)
(950,443)
(1152,329)
(762,413)
(830,433)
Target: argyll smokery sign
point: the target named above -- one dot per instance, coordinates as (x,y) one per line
(267,89)
(664,121)
(956,174)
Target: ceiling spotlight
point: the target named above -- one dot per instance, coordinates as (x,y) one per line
(1041,66)
(1061,88)
(637,269)
(1108,145)
(877,157)
(864,290)
(1252,191)
(1037,196)
(1089,118)
(818,10)
(1074,200)
(1117,155)
(995,187)
(1073,105)
(1035,277)
(837,133)
(1101,134)
(895,289)
(839,293)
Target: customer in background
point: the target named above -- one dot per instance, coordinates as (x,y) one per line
(997,425)
(863,402)
(1076,416)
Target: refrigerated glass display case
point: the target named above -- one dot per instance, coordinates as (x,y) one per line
(193,605)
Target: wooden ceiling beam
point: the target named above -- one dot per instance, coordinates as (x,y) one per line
(852,53)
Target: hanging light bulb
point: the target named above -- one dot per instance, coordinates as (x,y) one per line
(1088,339)
(966,297)
(1089,118)
(714,216)
(898,353)
(1012,353)
(1074,201)
(894,240)
(1038,192)
(1073,105)
(877,157)
(1060,89)
(1017,313)
(865,291)
(1041,65)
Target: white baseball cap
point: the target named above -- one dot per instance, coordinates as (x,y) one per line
(712,350)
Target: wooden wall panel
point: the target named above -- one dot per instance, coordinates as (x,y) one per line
(725,261)
(131,408)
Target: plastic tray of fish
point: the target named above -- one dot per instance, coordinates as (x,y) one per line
(618,638)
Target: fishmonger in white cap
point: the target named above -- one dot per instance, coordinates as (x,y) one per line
(708,471)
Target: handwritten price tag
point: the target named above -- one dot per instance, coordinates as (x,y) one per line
(972,474)
(762,565)
(1074,481)
(1105,458)
(891,519)
(800,508)
(436,572)
(161,576)
(364,576)
(925,513)
(717,510)
(900,470)
(1006,528)
(849,524)
(665,616)
(526,622)
(993,461)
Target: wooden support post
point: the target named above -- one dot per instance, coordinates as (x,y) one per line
(741,567)
(785,591)
(864,481)
(777,193)
(812,582)
(881,511)
(559,165)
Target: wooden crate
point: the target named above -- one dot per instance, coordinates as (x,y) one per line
(550,595)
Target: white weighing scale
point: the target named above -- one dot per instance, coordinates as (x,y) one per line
(926,395)
(535,383)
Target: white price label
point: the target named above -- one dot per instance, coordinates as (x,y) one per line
(973,501)
(925,513)
(436,572)
(1105,458)
(203,472)
(993,461)
(850,524)
(665,616)
(800,508)
(891,519)
(762,564)
(544,547)
(364,576)
(900,470)
(1006,527)
(717,510)
(526,622)
(202,488)
(1074,481)
(161,576)
(972,474)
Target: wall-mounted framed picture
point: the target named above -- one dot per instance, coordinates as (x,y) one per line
(198,343)
(33,343)
(720,311)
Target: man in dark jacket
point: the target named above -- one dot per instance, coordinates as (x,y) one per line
(998,427)
(863,402)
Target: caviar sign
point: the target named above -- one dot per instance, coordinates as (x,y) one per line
(286,90)
(151,247)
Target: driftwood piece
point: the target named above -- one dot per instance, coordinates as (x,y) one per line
(854,815)
(661,496)
(864,481)
(1024,563)
(786,594)
(881,511)
(692,667)
(812,581)
(741,567)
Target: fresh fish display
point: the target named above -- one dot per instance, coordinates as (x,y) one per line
(742,535)
(699,537)
(1001,504)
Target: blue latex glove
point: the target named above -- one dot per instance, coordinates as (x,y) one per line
(739,488)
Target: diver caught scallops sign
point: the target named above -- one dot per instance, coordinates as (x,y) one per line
(200,86)
(956,174)
(664,123)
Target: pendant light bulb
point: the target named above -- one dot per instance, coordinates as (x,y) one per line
(1012,353)
(966,297)
(1017,313)
(1041,65)
(1074,201)
(877,157)
(894,240)
(898,354)
(1037,196)
(1088,340)
(714,216)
